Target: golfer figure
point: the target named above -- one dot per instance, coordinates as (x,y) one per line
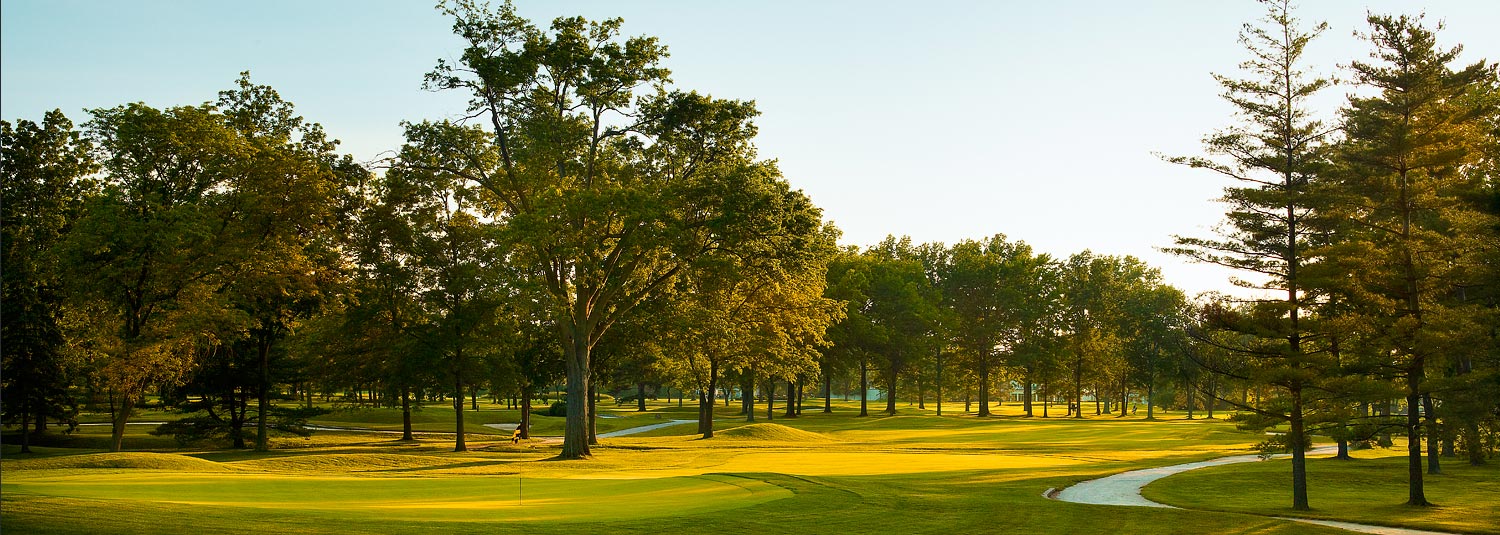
(515,436)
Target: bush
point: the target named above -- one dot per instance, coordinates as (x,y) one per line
(558,408)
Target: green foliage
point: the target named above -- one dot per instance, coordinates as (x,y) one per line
(43,181)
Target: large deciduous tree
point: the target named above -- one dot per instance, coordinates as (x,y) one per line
(609,184)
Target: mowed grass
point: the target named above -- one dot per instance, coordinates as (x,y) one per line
(1371,489)
(910,473)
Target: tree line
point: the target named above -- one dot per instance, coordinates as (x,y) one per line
(1374,240)
(590,227)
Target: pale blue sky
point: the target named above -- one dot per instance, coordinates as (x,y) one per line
(940,120)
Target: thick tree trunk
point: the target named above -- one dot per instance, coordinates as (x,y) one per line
(640,397)
(406,414)
(706,402)
(791,399)
(576,428)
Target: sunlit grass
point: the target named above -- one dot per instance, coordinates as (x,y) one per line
(913,472)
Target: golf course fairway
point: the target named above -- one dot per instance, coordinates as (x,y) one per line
(818,473)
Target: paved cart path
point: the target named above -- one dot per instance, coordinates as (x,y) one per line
(1124,489)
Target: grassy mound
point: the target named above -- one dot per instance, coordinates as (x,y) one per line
(344,462)
(774,432)
(140,460)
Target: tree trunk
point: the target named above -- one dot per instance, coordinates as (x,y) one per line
(827,393)
(1151,396)
(1077,410)
(706,402)
(1434,466)
(747,383)
(770,399)
(984,389)
(474,398)
(890,395)
(1192,400)
(864,387)
(1124,400)
(406,414)
(1472,444)
(1414,491)
(939,383)
(921,393)
(593,414)
(525,424)
(121,413)
(791,399)
(25,431)
(640,397)
(263,347)
(458,415)
(1297,442)
(1026,394)
(801,395)
(575,431)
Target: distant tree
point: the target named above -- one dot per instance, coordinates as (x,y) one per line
(151,246)
(902,311)
(450,250)
(281,225)
(43,182)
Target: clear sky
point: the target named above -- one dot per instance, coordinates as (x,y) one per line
(938,120)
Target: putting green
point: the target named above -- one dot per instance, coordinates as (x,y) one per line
(463,499)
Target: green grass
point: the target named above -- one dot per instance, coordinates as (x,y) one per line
(909,473)
(1370,489)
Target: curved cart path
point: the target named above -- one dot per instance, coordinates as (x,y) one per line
(1124,489)
(643,429)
